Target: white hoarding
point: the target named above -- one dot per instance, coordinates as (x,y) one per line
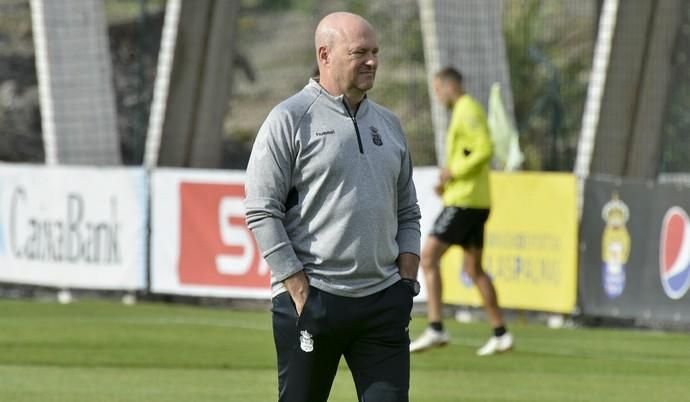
(200,244)
(73,227)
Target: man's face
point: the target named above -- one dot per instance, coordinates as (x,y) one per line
(442,92)
(355,59)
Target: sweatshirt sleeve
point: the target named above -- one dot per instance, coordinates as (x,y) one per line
(472,149)
(409,232)
(268,182)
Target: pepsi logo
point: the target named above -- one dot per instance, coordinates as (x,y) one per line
(674,253)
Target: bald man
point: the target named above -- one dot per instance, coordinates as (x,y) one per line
(331,203)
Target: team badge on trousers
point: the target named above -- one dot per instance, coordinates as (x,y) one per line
(306,342)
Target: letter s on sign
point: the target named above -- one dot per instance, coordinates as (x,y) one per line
(242,253)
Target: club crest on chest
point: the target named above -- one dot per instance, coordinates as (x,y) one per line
(375,136)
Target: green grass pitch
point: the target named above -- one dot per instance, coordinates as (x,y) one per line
(101,351)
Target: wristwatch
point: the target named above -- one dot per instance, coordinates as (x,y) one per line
(413,284)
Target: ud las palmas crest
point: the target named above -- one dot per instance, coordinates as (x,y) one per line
(375,136)
(306,342)
(615,245)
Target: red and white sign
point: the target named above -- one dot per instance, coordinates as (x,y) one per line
(200,244)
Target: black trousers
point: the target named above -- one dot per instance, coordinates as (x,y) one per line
(370,332)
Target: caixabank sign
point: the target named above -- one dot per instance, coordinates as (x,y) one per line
(635,250)
(73,227)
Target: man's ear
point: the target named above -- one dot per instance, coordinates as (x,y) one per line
(323,55)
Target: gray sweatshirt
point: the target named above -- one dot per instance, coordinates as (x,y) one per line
(329,191)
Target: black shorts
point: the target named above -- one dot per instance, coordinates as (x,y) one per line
(462,226)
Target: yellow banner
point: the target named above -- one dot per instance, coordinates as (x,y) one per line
(530,247)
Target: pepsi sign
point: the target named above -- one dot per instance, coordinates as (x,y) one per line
(674,253)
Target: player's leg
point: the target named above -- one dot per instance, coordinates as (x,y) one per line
(472,265)
(502,340)
(434,248)
(308,355)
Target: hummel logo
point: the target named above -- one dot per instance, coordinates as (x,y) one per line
(322,133)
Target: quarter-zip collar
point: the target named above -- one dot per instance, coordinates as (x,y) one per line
(338,103)
(353,117)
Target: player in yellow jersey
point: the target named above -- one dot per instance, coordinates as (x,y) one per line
(464,188)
